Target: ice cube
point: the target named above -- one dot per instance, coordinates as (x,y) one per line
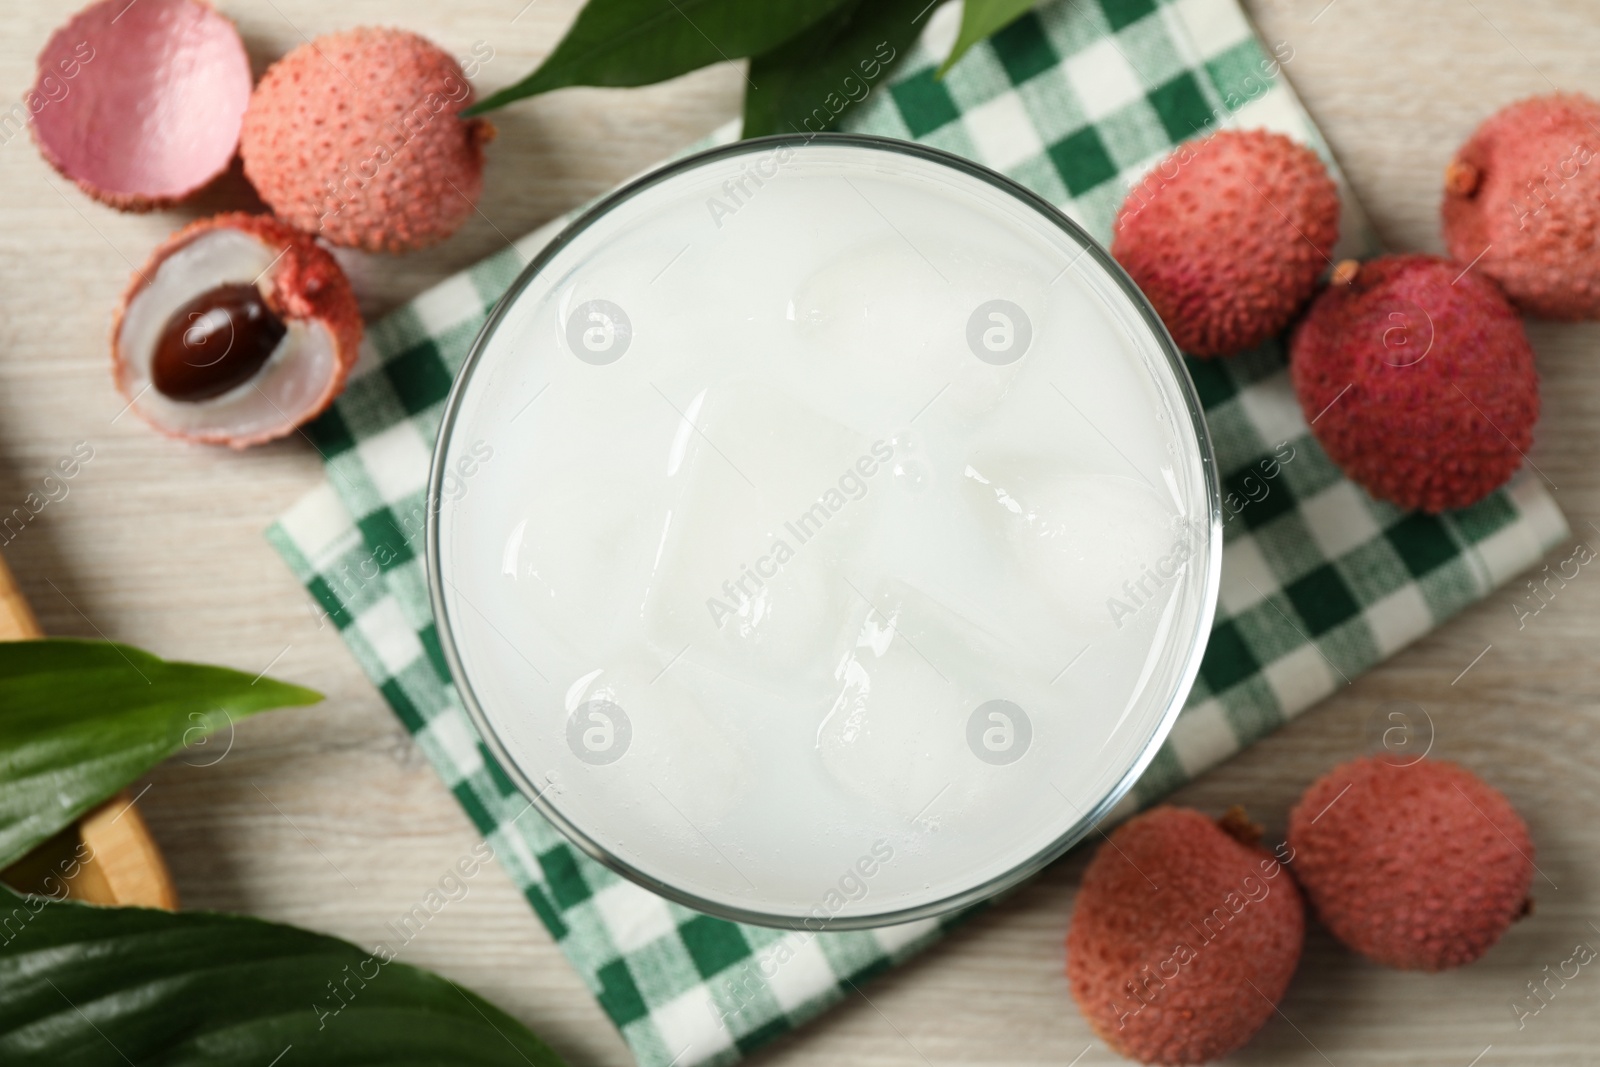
(772,498)
(1105,549)
(638,733)
(897,733)
(589,518)
(882,318)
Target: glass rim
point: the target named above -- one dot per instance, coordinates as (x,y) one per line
(1089,819)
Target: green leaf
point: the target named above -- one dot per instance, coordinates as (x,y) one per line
(81,719)
(806,83)
(980,19)
(82,986)
(638,42)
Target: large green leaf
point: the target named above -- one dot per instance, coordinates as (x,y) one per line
(806,83)
(981,18)
(82,986)
(638,42)
(81,719)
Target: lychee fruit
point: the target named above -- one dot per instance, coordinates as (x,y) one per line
(1418,380)
(237,330)
(1227,237)
(356,137)
(1420,866)
(141,104)
(1184,936)
(1522,198)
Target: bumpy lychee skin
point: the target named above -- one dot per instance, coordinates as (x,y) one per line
(298,281)
(1184,937)
(1420,866)
(1418,380)
(356,137)
(1524,194)
(1227,237)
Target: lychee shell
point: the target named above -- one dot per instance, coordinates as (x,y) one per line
(1421,866)
(1418,380)
(1522,198)
(356,136)
(141,104)
(1169,878)
(1227,237)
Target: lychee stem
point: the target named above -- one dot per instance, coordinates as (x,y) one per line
(1345,272)
(1461,178)
(1237,825)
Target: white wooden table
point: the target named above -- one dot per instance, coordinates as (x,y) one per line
(330,818)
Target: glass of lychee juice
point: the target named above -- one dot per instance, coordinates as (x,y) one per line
(823,532)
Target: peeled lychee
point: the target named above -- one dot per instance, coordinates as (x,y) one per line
(1418,380)
(356,137)
(1524,195)
(1421,866)
(1227,237)
(237,330)
(1184,937)
(141,103)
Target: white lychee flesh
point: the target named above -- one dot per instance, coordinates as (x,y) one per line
(289,388)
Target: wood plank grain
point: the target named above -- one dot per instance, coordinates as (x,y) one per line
(329,817)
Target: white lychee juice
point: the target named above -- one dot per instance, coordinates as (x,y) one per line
(850,540)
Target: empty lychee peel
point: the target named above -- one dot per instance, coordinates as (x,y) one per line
(152,111)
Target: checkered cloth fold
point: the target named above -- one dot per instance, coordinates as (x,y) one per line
(1319,582)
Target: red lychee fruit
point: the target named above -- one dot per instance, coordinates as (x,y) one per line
(1524,195)
(357,137)
(1184,936)
(1227,237)
(1419,866)
(141,104)
(1418,380)
(237,330)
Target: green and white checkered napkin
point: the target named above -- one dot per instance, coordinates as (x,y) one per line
(1319,582)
